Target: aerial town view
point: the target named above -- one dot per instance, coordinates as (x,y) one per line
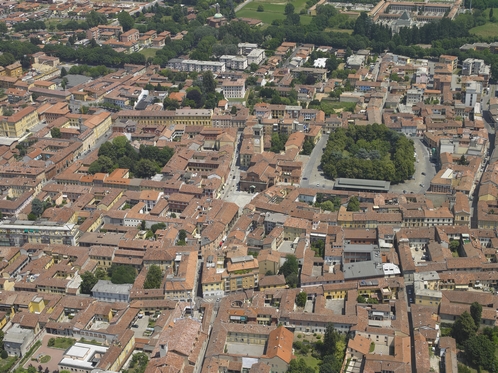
(248,186)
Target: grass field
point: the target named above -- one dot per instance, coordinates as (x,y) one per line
(63,343)
(148,52)
(272,11)
(486,31)
(310,361)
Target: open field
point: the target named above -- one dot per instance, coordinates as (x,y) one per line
(272,10)
(486,31)
(148,52)
(489,29)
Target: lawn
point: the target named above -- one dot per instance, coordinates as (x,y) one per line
(273,10)
(148,52)
(310,360)
(338,105)
(487,30)
(347,31)
(6,364)
(61,342)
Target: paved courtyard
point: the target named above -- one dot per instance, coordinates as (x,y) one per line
(245,349)
(336,305)
(54,353)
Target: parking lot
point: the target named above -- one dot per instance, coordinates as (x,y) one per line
(142,326)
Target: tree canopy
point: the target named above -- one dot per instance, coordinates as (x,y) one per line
(122,274)
(125,20)
(37,207)
(464,328)
(301,299)
(480,351)
(154,277)
(476,312)
(368,152)
(120,154)
(88,281)
(290,270)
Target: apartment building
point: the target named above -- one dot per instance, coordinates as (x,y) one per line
(19,232)
(256,56)
(234,88)
(243,273)
(195,65)
(19,123)
(130,35)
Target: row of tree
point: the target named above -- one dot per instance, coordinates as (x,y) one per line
(368,152)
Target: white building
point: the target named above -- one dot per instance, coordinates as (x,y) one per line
(246,48)
(414,96)
(256,56)
(195,65)
(234,88)
(472,66)
(234,62)
(16,340)
(472,93)
(82,357)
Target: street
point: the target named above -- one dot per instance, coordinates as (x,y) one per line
(311,176)
(423,165)
(231,193)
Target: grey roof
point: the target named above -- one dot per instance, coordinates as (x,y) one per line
(405,16)
(104,286)
(362,184)
(363,270)
(17,335)
(360,248)
(73,80)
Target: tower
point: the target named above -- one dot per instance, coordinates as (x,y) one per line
(258,138)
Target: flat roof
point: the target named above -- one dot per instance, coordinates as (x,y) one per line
(361,184)
(104,286)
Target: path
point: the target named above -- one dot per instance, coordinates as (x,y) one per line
(240,6)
